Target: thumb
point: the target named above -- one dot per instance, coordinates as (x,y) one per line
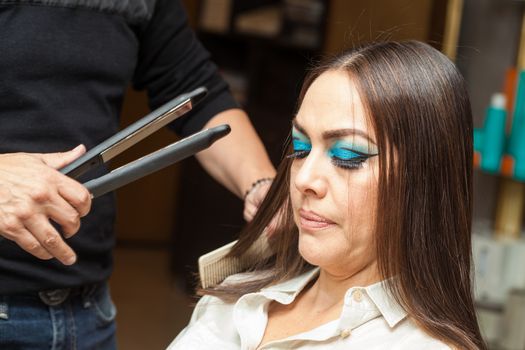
(61,159)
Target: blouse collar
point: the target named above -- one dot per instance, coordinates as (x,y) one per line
(374,297)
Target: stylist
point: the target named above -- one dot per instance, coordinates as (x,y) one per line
(64,68)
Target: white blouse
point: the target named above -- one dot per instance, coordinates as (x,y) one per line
(370,320)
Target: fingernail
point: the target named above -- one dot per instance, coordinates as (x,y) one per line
(78,147)
(71,260)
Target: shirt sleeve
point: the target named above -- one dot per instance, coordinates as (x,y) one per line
(171,61)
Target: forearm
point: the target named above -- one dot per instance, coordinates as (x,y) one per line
(239,159)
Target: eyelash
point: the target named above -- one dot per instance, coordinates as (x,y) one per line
(354,163)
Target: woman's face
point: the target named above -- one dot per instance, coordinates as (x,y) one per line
(334,176)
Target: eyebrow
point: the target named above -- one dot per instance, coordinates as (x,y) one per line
(337,133)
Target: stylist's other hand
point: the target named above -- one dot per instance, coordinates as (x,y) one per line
(253,201)
(33,192)
(254,198)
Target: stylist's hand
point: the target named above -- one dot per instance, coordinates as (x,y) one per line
(33,191)
(253,201)
(254,198)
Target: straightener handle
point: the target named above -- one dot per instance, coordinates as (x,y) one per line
(157,160)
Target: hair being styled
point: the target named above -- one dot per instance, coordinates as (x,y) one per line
(418,106)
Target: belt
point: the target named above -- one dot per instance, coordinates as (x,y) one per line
(54,297)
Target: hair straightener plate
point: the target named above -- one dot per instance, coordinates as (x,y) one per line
(136,132)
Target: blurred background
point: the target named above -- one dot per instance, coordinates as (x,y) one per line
(263,47)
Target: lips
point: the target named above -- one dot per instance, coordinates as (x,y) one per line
(312,221)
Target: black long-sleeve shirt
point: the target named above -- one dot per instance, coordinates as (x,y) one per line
(64,67)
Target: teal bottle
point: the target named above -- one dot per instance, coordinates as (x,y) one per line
(493,139)
(517,136)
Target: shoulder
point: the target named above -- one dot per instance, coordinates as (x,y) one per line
(211,327)
(212,323)
(210,305)
(210,308)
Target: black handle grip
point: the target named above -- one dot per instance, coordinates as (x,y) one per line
(155,161)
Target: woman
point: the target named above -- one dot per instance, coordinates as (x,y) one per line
(373,248)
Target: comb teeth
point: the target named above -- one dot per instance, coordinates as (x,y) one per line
(214,266)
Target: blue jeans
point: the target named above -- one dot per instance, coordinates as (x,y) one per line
(61,319)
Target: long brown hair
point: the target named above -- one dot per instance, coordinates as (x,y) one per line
(418,106)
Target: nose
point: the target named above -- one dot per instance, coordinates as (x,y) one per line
(309,176)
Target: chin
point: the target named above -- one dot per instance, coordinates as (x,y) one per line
(314,252)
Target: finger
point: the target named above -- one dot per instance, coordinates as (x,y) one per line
(255,198)
(29,243)
(63,214)
(40,227)
(13,229)
(247,216)
(259,193)
(249,211)
(253,201)
(61,159)
(76,195)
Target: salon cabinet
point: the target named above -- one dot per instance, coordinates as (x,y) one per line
(499,288)
(485,38)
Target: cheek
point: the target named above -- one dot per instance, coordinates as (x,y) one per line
(294,192)
(358,202)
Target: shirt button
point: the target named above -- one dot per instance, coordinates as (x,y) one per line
(345,333)
(358,296)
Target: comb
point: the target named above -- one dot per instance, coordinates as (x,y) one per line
(215,266)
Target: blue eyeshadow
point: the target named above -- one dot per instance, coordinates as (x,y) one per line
(342,153)
(345,150)
(300,142)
